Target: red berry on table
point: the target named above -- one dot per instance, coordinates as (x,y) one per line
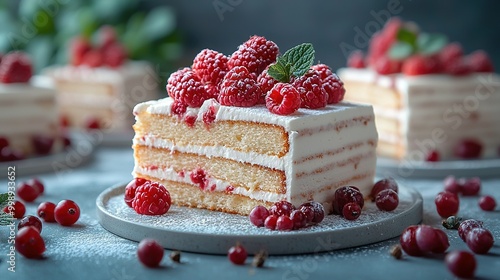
(442,243)
(17,209)
(151,198)
(37,184)
(311,90)
(46,211)
(487,203)
(344,195)
(432,156)
(427,238)
(150,252)
(210,66)
(239,88)
(29,243)
(27,192)
(66,212)
(468,149)
(114,55)
(30,220)
(351,211)
(461,263)
(131,188)
(270,222)
(78,49)
(281,208)
(258,215)
(387,66)
(471,186)
(298,218)
(15,68)
(447,204)
(387,200)
(356,60)
(283,99)
(451,184)
(383,184)
(313,211)
(42,144)
(408,241)
(479,240)
(93,58)
(479,61)
(418,65)
(284,223)
(237,254)
(466,226)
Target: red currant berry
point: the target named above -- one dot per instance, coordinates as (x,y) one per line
(308,212)
(447,204)
(487,203)
(314,212)
(427,238)
(298,218)
(237,254)
(432,156)
(149,252)
(468,149)
(387,200)
(30,221)
(466,226)
(387,183)
(46,211)
(443,244)
(27,192)
(471,186)
(462,264)
(258,215)
(284,223)
(408,241)
(270,222)
(130,190)
(282,208)
(351,211)
(451,184)
(37,184)
(66,212)
(479,240)
(345,195)
(17,209)
(29,243)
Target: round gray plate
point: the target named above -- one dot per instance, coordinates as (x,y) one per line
(460,168)
(80,152)
(204,231)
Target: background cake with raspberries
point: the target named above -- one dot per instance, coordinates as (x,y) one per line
(29,121)
(431,101)
(101,86)
(253,129)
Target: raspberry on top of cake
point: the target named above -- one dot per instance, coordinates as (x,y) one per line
(432,101)
(254,128)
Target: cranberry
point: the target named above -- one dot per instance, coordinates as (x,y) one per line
(29,243)
(130,190)
(442,243)
(42,144)
(351,211)
(471,186)
(284,223)
(387,183)
(308,212)
(408,241)
(451,184)
(258,215)
(149,252)
(30,221)
(9,154)
(466,226)
(237,254)
(37,184)
(4,142)
(270,222)
(27,192)
(314,212)
(298,218)
(479,240)
(387,200)
(282,208)
(487,203)
(468,149)
(345,195)
(462,264)
(432,156)
(17,209)
(46,211)
(92,123)
(427,238)
(66,212)
(447,204)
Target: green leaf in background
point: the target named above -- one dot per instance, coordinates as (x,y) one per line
(280,71)
(300,58)
(431,43)
(407,36)
(41,50)
(159,23)
(400,51)
(111,10)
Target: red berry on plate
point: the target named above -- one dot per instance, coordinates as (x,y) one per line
(258,215)
(210,66)
(351,211)
(432,156)
(311,90)
(356,60)
(281,208)
(46,211)
(283,99)
(479,240)
(468,149)
(150,252)
(131,188)
(29,243)
(387,200)
(27,192)
(461,263)
(451,184)
(487,203)
(284,223)
(471,186)
(447,204)
(270,222)
(9,154)
(15,68)
(66,212)
(239,88)
(32,221)
(466,226)
(298,218)
(313,211)
(479,61)
(344,195)
(17,209)
(418,65)
(442,243)
(383,184)
(42,144)
(408,241)
(151,198)
(37,184)
(237,254)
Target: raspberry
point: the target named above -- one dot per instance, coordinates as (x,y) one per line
(266,83)
(479,61)
(418,65)
(356,60)
(15,68)
(283,99)
(267,51)
(131,188)
(186,87)
(239,89)
(114,55)
(334,87)
(210,66)
(312,93)
(79,47)
(450,53)
(386,66)
(457,67)
(107,36)
(93,58)
(211,90)
(151,198)
(178,108)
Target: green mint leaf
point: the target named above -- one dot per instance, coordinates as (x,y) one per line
(300,58)
(400,51)
(407,36)
(280,71)
(431,43)
(4,200)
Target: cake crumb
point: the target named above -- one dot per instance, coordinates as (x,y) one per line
(175,256)
(259,259)
(396,252)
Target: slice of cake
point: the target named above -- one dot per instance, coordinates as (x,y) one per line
(29,121)
(228,151)
(431,102)
(101,86)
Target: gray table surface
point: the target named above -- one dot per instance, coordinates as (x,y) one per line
(87,251)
